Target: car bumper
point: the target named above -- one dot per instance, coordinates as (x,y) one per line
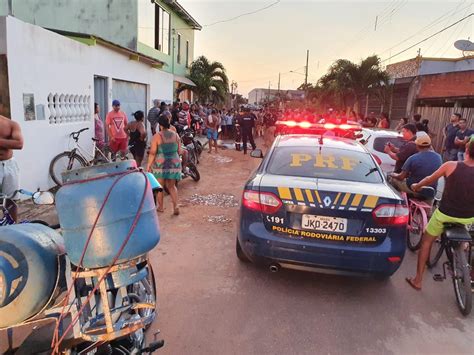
(264,247)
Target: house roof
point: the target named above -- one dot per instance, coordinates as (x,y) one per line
(93,40)
(181,11)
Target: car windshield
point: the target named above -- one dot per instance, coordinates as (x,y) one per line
(380,142)
(323,162)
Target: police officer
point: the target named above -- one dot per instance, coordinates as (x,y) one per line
(247,123)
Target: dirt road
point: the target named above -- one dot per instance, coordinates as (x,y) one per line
(210,303)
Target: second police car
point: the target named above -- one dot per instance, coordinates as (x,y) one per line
(321,203)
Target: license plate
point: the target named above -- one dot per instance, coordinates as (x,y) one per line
(324,223)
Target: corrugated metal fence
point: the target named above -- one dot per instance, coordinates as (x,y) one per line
(439,118)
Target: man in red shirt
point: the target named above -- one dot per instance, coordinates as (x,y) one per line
(116,122)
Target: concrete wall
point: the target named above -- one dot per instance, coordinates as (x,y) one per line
(440,66)
(42,62)
(114,20)
(171,60)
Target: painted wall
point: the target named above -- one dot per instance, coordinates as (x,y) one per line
(114,20)
(436,67)
(42,62)
(178,26)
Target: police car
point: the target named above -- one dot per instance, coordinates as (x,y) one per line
(321,203)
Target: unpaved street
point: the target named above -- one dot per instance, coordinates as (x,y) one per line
(210,303)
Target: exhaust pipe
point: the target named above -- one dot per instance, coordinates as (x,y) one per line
(274,268)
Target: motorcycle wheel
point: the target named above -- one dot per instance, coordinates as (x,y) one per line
(193,157)
(193,172)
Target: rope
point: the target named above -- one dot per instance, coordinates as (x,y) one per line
(57,342)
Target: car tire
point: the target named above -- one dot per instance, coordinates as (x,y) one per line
(240,253)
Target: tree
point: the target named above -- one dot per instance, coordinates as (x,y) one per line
(212,84)
(346,82)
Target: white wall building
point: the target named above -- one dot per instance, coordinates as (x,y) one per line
(65,77)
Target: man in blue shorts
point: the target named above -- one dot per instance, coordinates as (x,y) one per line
(212,123)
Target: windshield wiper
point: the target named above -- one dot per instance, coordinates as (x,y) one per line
(373,170)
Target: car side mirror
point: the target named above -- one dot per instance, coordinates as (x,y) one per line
(43,198)
(256,153)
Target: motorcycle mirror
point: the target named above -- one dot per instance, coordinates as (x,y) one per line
(43,198)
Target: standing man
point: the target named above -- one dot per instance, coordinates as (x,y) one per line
(449,148)
(212,124)
(406,150)
(153,115)
(247,123)
(462,137)
(456,206)
(10,139)
(116,122)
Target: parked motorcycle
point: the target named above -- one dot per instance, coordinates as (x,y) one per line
(90,289)
(192,145)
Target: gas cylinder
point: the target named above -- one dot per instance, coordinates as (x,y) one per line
(117,189)
(28,270)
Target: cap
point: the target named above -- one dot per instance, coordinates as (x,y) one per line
(116,103)
(186,102)
(423,140)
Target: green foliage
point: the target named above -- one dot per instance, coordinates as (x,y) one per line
(346,82)
(212,84)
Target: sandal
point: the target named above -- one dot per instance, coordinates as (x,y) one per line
(176,211)
(410,282)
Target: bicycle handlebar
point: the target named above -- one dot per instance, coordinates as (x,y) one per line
(75,135)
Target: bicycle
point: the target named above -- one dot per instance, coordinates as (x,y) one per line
(39,198)
(418,218)
(75,158)
(456,242)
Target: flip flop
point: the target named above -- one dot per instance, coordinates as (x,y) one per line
(410,282)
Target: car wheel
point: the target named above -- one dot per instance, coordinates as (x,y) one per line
(240,253)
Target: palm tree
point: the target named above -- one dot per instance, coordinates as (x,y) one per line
(212,84)
(348,82)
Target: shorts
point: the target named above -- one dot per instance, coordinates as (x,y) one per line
(435,225)
(9,177)
(118,144)
(212,134)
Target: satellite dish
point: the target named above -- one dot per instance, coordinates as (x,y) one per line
(464,45)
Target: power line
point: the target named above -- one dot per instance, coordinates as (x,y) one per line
(429,37)
(430,25)
(244,14)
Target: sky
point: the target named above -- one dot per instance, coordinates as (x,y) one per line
(255,48)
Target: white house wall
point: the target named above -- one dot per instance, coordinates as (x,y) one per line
(41,62)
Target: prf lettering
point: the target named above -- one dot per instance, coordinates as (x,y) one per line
(323,161)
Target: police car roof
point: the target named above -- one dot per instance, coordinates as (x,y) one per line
(310,140)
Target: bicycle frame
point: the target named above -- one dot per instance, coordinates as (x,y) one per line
(415,205)
(84,154)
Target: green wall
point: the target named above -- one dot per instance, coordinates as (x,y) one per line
(187,34)
(113,20)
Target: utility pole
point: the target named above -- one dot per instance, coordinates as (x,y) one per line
(268,95)
(376,20)
(306,75)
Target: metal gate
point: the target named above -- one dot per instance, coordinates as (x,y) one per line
(132,96)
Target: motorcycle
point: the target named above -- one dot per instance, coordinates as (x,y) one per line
(89,289)
(192,145)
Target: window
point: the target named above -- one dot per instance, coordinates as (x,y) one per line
(162,30)
(380,142)
(187,54)
(179,49)
(146,23)
(324,163)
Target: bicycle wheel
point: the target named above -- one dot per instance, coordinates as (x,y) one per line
(435,254)
(416,232)
(462,278)
(64,162)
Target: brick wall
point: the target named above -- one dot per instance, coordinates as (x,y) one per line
(456,84)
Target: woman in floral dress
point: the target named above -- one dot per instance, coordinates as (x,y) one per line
(164,161)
